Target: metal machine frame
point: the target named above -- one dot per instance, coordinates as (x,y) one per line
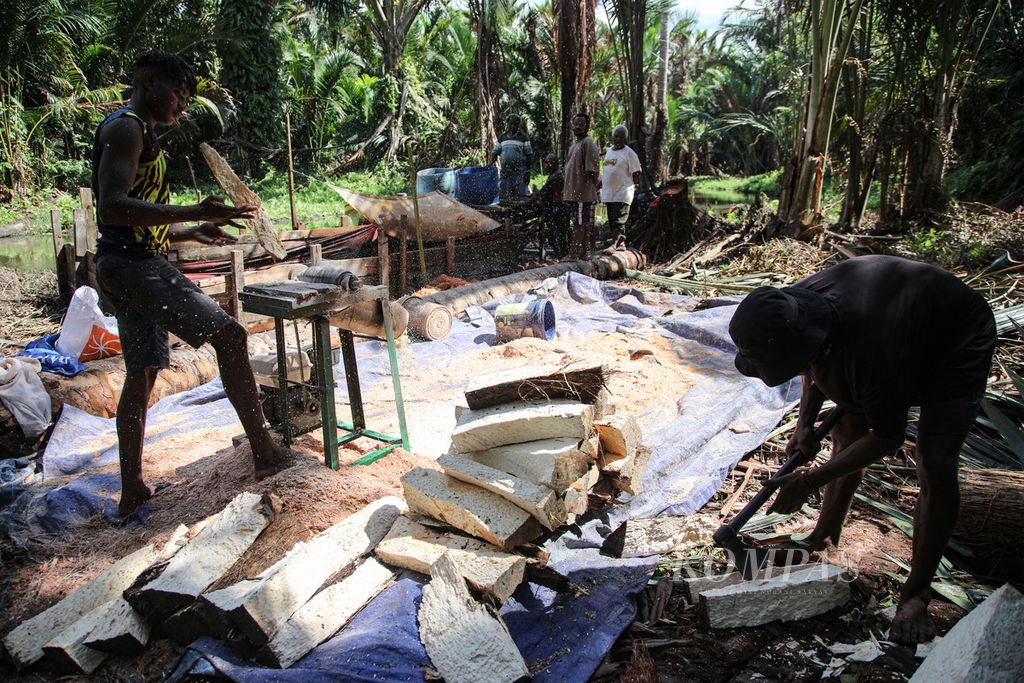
(261,300)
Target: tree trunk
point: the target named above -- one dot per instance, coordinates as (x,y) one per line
(927,178)
(488,70)
(858,180)
(574,45)
(396,123)
(659,172)
(800,204)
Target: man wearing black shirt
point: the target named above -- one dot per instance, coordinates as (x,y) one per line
(876,335)
(553,216)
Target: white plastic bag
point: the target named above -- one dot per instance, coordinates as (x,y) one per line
(85,333)
(23,393)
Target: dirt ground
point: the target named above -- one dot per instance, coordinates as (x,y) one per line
(31,308)
(196,472)
(197,477)
(199,472)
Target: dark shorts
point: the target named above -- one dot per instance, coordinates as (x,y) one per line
(618,214)
(150,298)
(581,213)
(954,417)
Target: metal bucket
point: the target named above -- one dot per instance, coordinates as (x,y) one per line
(531,319)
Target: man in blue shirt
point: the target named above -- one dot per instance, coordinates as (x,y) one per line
(515,152)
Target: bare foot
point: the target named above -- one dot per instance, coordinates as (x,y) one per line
(270,461)
(132,496)
(912,624)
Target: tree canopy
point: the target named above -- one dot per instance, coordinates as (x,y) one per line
(907,103)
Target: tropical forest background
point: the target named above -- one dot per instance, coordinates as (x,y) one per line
(835,109)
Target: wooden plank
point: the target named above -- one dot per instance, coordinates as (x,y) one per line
(360,267)
(91,229)
(329,232)
(577,496)
(218,605)
(187,624)
(58,240)
(469,508)
(123,631)
(66,270)
(411,545)
(384,267)
(308,565)
(240,194)
(449,256)
(325,614)
(187,254)
(217,284)
(579,382)
(479,430)
(67,650)
(539,501)
(206,556)
(541,574)
(620,439)
(403,257)
(81,233)
(466,643)
(316,254)
(792,596)
(554,463)
(235,282)
(25,643)
(632,476)
(89,266)
(658,535)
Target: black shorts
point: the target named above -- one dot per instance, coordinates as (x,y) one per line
(150,298)
(618,214)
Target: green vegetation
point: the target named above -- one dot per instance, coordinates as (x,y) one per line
(736,189)
(359,78)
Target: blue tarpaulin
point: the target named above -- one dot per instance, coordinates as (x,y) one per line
(562,637)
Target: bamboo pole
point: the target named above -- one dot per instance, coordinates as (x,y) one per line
(291,171)
(385,260)
(416,211)
(403,256)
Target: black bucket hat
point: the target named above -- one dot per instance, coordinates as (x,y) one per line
(779,332)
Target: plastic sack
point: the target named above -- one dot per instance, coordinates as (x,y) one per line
(23,393)
(85,333)
(44,351)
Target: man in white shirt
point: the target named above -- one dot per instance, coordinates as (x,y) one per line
(620,175)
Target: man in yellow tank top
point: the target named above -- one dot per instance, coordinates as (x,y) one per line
(150,296)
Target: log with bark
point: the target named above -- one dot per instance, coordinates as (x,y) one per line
(578,382)
(991,508)
(606,265)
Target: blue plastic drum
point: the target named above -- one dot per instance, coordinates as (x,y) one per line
(439,179)
(477,185)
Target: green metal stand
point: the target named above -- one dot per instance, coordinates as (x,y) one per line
(323,370)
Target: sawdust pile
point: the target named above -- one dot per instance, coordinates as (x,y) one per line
(644,370)
(442,283)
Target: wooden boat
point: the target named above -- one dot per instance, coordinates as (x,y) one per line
(441,216)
